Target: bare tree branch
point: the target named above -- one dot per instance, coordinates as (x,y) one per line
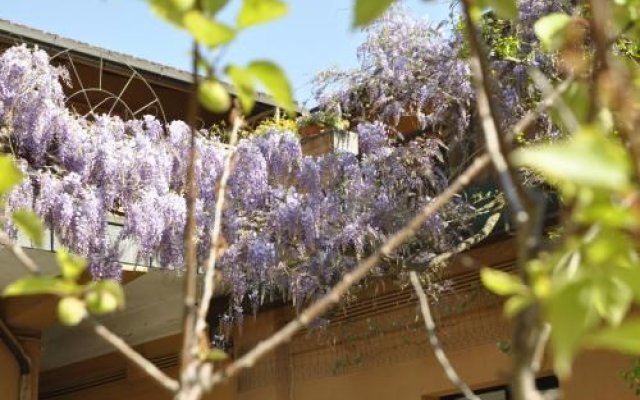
(189,340)
(547,89)
(438,351)
(120,345)
(607,73)
(192,390)
(466,244)
(528,214)
(136,358)
(538,355)
(495,139)
(335,294)
(551,96)
(210,263)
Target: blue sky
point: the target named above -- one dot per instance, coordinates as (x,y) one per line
(314,36)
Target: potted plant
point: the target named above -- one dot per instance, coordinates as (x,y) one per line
(319,122)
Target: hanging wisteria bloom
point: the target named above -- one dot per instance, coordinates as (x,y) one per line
(408,66)
(294,223)
(411,68)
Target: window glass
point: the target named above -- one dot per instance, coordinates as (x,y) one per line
(547,384)
(500,394)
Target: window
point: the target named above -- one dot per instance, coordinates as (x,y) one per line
(547,384)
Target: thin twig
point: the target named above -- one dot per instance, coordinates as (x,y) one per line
(494,147)
(494,137)
(538,355)
(466,244)
(102,331)
(136,358)
(599,18)
(547,89)
(210,263)
(438,351)
(189,340)
(551,96)
(608,73)
(19,254)
(526,211)
(335,294)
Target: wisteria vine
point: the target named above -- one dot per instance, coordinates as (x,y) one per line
(294,225)
(409,67)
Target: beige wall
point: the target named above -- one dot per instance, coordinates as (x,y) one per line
(10,378)
(131,388)
(398,364)
(394,365)
(375,348)
(9,374)
(598,375)
(110,377)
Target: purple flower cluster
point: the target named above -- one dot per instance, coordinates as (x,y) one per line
(294,224)
(411,68)
(407,67)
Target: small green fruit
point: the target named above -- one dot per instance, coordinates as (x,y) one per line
(71,311)
(214,96)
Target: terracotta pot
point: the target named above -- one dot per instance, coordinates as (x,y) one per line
(407,126)
(311,130)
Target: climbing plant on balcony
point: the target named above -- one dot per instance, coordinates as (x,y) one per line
(294,223)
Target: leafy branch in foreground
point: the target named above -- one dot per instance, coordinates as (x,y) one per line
(77,301)
(585,283)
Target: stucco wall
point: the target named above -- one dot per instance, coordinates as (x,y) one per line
(398,363)
(9,374)
(112,377)
(393,366)
(378,355)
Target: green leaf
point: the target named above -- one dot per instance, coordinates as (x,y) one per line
(550,29)
(607,213)
(504,347)
(214,96)
(505,9)
(275,81)
(502,283)
(570,314)
(71,266)
(516,304)
(10,175)
(577,98)
(611,299)
(215,355)
(207,31)
(254,12)
(632,277)
(183,5)
(606,249)
(71,311)
(104,297)
(624,338)
(212,7)
(31,285)
(30,224)
(588,158)
(244,83)
(167,10)
(366,11)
